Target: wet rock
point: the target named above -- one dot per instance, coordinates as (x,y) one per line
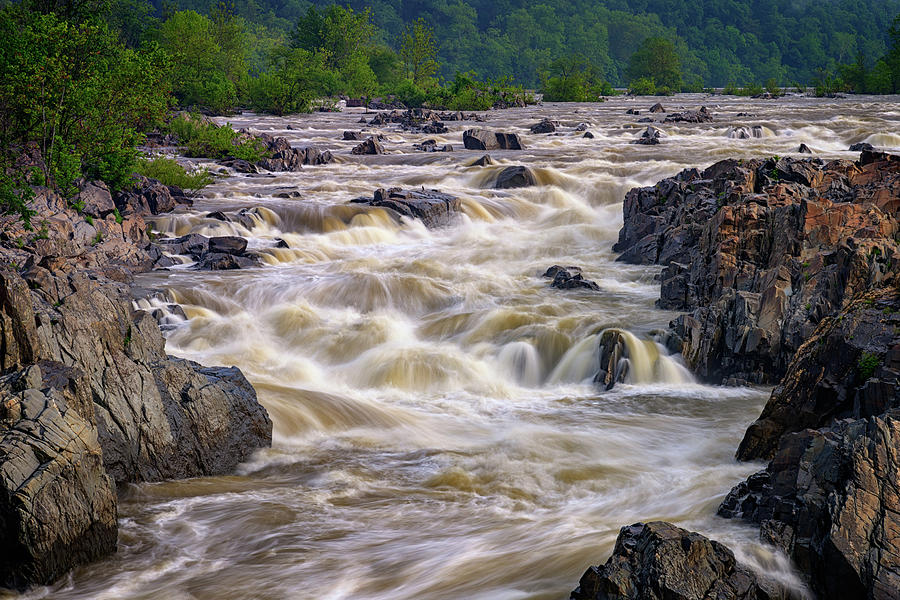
(759,252)
(192,244)
(483,139)
(657,108)
(220,261)
(613,366)
(514,177)
(432,207)
(745,133)
(230,244)
(57,504)
(649,137)
(859,147)
(284,157)
(804,149)
(239,165)
(582,127)
(829,499)
(632,111)
(847,369)
(690,116)
(369,146)
(645,120)
(484,161)
(432,146)
(659,561)
(569,278)
(544,126)
(588,135)
(352,136)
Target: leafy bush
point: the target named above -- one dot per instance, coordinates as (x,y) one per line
(642,86)
(208,140)
(867,364)
(169,172)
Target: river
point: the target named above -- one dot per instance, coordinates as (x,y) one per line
(437,433)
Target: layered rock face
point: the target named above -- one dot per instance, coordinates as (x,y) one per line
(761,251)
(88,396)
(659,561)
(433,208)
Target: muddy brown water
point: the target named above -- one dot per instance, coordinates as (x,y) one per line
(437,434)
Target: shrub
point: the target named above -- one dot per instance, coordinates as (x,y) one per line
(208,140)
(867,364)
(169,172)
(642,86)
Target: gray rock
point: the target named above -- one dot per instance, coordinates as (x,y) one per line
(229,244)
(544,126)
(369,146)
(484,139)
(657,108)
(433,208)
(514,177)
(659,561)
(97,200)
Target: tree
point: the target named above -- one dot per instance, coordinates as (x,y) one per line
(657,60)
(573,79)
(341,34)
(418,52)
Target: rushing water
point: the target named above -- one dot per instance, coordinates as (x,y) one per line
(437,434)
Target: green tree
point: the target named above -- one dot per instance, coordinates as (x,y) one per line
(573,79)
(418,52)
(657,60)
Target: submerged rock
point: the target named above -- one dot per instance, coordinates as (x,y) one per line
(483,139)
(659,561)
(569,278)
(862,146)
(650,137)
(432,207)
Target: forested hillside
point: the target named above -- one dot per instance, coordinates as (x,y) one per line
(719,41)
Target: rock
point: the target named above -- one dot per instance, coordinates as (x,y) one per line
(569,278)
(157,417)
(484,161)
(239,165)
(483,139)
(859,147)
(352,135)
(745,133)
(804,149)
(690,116)
(657,108)
(57,504)
(632,111)
(514,177)
(829,499)
(649,137)
(759,252)
(230,244)
(369,146)
(544,126)
(659,561)
(97,200)
(431,146)
(220,261)
(645,120)
(582,127)
(588,135)
(847,369)
(284,157)
(433,208)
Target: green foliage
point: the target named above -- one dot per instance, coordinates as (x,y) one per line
(867,364)
(656,59)
(207,140)
(573,79)
(418,51)
(74,93)
(209,57)
(642,86)
(748,90)
(169,172)
(15,196)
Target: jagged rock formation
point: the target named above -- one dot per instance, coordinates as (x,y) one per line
(484,139)
(659,561)
(433,208)
(761,251)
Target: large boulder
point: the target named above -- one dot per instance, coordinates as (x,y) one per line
(659,561)
(690,116)
(758,252)
(57,504)
(514,177)
(484,139)
(829,499)
(545,125)
(433,208)
(369,146)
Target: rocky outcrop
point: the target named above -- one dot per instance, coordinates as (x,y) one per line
(690,116)
(57,504)
(432,146)
(369,146)
(657,108)
(545,125)
(761,251)
(433,208)
(659,561)
(514,177)
(212,254)
(569,278)
(829,499)
(483,139)
(283,157)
